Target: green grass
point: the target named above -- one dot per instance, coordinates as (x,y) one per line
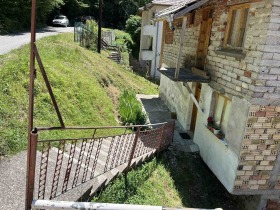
(86,86)
(174,179)
(144,186)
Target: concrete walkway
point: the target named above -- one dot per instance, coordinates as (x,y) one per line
(158,112)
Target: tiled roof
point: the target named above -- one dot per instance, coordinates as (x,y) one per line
(177,6)
(166,2)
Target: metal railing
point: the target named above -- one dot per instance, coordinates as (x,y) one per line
(56,205)
(64,164)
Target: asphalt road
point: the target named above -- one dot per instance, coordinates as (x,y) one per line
(14,41)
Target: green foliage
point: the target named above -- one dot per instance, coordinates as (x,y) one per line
(90,34)
(149,184)
(77,76)
(133,27)
(130,109)
(15,15)
(123,40)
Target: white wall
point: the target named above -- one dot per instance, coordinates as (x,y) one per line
(178,100)
(221,159)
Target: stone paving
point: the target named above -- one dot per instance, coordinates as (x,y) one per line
(158,112)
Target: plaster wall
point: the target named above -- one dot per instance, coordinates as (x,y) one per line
(176,97)
(222,159)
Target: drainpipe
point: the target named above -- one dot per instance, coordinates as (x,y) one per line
(156,54)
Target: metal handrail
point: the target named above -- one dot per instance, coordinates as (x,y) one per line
(69,205)
(93,128)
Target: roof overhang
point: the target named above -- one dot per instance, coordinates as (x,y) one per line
(186,75)
(179,10)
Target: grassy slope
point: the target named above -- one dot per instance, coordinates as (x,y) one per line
(176,179)
(82,82)
(149,184)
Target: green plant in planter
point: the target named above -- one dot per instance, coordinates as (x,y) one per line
(130,109)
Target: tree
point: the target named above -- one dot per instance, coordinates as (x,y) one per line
(133,27)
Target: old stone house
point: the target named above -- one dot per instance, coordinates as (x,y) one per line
(222,78)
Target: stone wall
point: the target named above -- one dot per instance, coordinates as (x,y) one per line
(267,90)
(238,76)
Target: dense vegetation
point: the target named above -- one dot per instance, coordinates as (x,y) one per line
(15,15)
(86,85)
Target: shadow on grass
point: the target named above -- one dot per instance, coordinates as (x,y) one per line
(195,182)
(126,185)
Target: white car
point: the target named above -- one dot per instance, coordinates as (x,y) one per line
(61,20)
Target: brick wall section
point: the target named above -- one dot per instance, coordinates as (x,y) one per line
(267,89)
(259,149)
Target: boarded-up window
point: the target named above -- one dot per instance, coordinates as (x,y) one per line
(222,111)
(236,28)
(169,34)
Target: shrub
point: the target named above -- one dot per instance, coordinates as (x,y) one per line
(130,109)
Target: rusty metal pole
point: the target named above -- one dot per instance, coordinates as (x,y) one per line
(133,148)
(30,154)
(161,139)
(31,170)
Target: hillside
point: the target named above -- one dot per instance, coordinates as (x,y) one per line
(86,86)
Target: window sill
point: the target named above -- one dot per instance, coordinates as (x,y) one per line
(222,140)
(232,53)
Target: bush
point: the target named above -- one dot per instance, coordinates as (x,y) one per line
(130,109)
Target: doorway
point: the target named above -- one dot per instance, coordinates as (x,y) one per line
(204,37)
(194,111)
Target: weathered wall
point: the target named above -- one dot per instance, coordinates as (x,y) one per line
(238,76)
(178,100)
(267,91)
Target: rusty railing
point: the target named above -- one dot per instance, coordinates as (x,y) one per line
(59,165)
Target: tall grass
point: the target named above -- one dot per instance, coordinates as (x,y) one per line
(130,109)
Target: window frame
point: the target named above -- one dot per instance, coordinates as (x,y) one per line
(224,108)
(233,8)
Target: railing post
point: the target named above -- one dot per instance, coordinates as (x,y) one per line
(133,148)
(31,164)
(161,139)
(174,124)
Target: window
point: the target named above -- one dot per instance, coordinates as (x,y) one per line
(236,28)
(221,111)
